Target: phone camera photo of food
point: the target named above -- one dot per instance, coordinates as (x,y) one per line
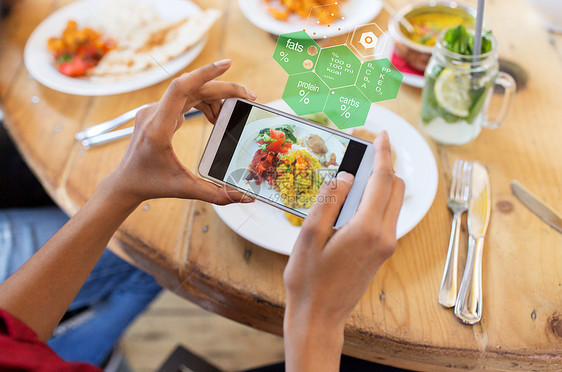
(280,159)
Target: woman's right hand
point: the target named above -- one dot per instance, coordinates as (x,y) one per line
(328,272)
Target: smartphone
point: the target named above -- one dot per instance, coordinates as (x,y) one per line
(282,159)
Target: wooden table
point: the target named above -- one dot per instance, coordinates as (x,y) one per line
(399,321)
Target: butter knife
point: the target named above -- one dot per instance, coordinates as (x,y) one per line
(468,307)
(535,205)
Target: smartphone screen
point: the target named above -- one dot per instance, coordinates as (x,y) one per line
(281,159)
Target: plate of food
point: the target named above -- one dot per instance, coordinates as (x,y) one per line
(95,48)
(271,150)
(317,17)
(413,161)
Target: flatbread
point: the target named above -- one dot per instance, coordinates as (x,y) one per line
(153,44)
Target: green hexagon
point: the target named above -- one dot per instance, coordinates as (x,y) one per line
(338,66)
(305,93)
(379,80)
(296,52)
(347,107)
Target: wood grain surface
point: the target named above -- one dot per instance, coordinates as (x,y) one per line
(399,321)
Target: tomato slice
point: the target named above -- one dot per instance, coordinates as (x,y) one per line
(80,66)
(285,148)
(66,68)
(276,134)
(75,67)
(275,146)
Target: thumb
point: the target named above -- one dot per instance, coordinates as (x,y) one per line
(323,215)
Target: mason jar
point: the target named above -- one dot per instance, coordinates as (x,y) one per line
(457,93)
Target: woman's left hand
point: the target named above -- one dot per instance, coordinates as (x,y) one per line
(150,168)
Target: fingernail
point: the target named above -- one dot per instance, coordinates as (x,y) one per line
(345,177)
(251,93)
(384,133)
(248,199)
(223,62)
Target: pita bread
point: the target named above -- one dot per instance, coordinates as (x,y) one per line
(153,44)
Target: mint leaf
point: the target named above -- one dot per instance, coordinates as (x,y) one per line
(486,45)
(459,41)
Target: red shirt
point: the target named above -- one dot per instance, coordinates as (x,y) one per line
(21,350)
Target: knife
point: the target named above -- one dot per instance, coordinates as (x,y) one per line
(535,205)
(468,307)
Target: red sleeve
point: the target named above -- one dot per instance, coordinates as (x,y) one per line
(23,351)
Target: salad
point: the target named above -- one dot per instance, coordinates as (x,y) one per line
(272,142)
(278,140)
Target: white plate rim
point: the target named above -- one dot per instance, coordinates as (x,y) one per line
(236,216)
(255,12)
(37,59)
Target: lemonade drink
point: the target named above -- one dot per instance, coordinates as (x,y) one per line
(457,91)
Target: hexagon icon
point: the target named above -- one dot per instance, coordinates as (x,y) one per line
(325,15)
(379,80)
(338,66)
(296,52)
(305,93)
(323,22)
(368,41)
(347,107)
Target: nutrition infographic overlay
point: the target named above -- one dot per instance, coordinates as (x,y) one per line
(333,80)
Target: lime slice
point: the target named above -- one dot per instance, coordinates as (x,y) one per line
(452,92)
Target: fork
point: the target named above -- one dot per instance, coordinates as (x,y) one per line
(458,204)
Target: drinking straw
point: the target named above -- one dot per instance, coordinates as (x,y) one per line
(478,29)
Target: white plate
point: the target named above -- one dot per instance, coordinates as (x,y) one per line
(267,226)
(409,79)
(38,59)
(355,12)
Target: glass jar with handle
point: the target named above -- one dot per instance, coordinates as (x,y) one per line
(457,92)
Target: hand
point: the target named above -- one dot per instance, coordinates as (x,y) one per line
(41,290)
(328,273)
(150,168)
